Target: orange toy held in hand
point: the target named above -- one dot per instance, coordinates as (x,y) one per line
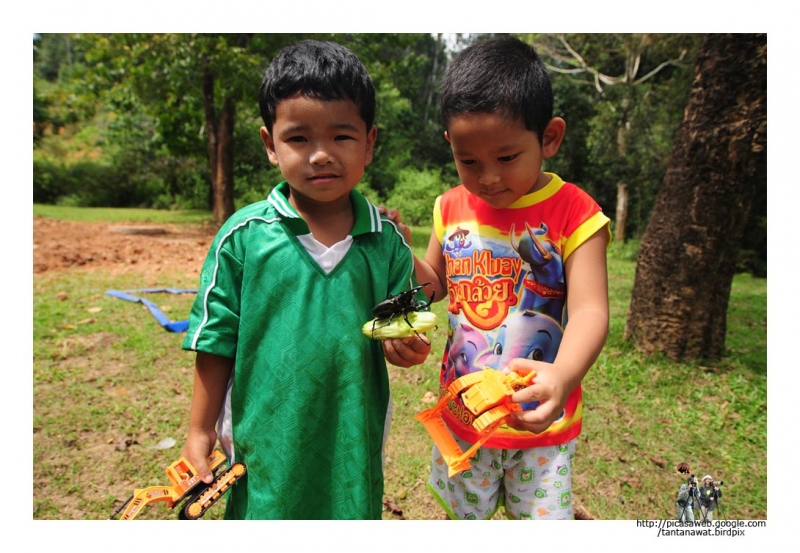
(487,394)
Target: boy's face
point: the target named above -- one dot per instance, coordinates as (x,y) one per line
(499,160)
(321,148)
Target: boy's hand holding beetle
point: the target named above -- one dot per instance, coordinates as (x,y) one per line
(406,352)
(413,350)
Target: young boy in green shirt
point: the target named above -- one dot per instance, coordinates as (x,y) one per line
(284,377)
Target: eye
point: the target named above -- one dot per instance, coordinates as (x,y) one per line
(463,357)
(506,159)
(344,137)
(536,355)
(498,349)
(466,161)
(296,139)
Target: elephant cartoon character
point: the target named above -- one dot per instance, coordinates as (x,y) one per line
(524,334)
(462,355)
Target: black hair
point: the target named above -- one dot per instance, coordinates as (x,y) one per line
(320,70)
(498,75)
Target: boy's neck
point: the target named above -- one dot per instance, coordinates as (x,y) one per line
(329,222)
(541,182)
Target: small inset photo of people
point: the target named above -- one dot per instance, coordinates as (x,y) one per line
(697,500)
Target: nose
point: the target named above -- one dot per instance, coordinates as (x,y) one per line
(320,155)
(488,177)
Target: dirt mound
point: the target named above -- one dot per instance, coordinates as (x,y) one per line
(118,248)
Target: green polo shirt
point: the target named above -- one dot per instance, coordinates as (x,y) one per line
(310,392)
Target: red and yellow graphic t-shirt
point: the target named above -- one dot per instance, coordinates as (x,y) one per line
(507,291)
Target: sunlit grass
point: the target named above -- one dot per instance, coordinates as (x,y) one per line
(110,383)
(120,214)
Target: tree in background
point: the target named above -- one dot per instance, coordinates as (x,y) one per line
(406,69)
(636,106)
(688,254)
(59,96)
(176,115)
(171,120)
(177,77)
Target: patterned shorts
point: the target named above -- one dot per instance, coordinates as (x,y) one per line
(531,483)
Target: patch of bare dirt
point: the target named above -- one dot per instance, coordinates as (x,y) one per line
(118,248)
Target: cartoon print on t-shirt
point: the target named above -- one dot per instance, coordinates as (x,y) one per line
(543,288)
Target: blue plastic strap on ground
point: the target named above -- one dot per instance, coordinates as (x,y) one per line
(172,326)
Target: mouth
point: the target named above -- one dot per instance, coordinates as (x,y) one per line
(323,178)
(493,193)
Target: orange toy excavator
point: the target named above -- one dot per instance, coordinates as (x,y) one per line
(183,477)
(487,394)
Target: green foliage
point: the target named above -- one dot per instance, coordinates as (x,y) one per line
(619,127)
(405,69)
(392,149)
(753,255)
(256,186)
(575,105)
(87,184)
(132,104)
(414,195)
(624,251)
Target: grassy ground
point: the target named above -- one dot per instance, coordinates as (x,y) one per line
(120,214)
(643,415)
(109,385)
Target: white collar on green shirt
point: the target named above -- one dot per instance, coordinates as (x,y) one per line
(367,216)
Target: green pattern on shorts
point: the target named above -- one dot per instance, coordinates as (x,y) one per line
(531,483)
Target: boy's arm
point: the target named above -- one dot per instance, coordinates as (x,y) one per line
(432,269)
(212,373)
(584,337)
(413,350)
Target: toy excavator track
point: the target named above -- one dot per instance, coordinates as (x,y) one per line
(185,482)
(486,394)
(195,507)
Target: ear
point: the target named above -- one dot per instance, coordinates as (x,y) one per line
(372,136)
(553,136)
(269,144)
(446,136)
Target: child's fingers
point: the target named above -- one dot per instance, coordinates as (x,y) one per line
(527,421)
(533,392)
(196,451)
(522,366)
(392,214)
(536,420)
(200,463)
(406,352)
(419,343)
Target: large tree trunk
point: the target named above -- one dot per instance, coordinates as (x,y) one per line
(688,253)
(219,137)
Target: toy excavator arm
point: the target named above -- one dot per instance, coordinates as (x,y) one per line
(184,479)
(487,394)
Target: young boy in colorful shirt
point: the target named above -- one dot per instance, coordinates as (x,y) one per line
(284,377)
(518,251)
